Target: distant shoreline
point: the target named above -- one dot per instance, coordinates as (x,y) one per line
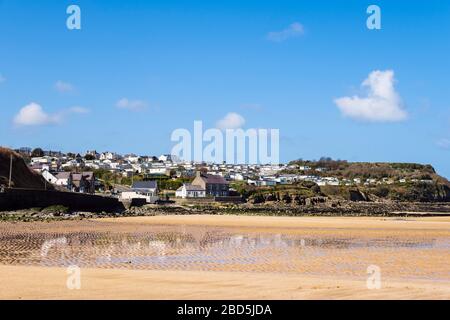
(345,209)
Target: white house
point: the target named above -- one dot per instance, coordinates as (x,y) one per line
(147,190)
(137,167)
(108,156)
(39,167)
(262,182)
(127,173)
(63,179)
(42,160)
(47,175)
(132,158)
(130,195)
(328,181)
(157,170)
(237,176)
(190,191)
(168,158)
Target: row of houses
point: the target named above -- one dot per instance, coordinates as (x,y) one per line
(204,185)
(83,182)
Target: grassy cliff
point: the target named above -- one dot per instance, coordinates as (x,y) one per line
(22,176)
(409,182)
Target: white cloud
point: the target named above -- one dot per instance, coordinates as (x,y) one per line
(443,143)
(132,105)
(294,30)
(382,104)
(231,121)
(33,115)
(64,87)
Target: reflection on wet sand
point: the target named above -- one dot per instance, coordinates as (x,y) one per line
(226,249)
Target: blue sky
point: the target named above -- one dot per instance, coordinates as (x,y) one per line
(138,70)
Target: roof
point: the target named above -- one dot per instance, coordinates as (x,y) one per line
(144,185)
(214,179)
(77,176)
(63,175)
(192,187)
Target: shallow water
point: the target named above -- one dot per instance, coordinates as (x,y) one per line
(229,249)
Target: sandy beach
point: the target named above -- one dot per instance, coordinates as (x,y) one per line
(228,257)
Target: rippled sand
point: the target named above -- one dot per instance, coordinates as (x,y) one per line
(330,256)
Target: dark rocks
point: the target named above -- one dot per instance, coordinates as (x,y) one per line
(357,195)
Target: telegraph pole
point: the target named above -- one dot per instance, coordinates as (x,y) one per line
(10,170)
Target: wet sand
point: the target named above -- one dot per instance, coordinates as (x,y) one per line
(50,283)
(228,257)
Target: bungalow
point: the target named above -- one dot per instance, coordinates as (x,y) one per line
(147,187)
(147,190)
(190,191)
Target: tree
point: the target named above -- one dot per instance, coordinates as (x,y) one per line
(89,157)
(38,152)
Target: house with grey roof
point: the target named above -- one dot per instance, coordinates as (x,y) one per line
(147,187)
(214,185)
(147,190)
(190,191)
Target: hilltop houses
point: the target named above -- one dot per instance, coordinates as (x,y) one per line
(74,172)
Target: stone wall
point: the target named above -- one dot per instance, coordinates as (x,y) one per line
(16,199)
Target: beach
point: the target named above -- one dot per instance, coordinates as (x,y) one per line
(227,257)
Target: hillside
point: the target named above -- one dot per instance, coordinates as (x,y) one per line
(404,182)
(22,176)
